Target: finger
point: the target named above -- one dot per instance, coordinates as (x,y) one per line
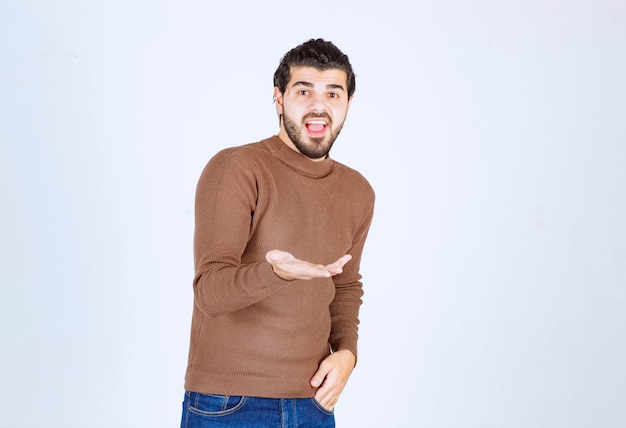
(315,271)
(326,398)
(329,404)
(337,267)
(343,260)
(318,377)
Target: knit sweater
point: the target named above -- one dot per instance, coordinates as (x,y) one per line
(252,332)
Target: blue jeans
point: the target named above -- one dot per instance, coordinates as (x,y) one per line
(209,411)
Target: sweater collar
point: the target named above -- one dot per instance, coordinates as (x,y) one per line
(298,161)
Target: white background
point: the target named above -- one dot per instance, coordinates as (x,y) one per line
(493,132)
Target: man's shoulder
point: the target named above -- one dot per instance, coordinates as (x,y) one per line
(244,149)
(243,153)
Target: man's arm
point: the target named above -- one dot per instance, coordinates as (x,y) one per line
(225,200)
(334,371)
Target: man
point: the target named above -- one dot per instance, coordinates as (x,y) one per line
(280,228)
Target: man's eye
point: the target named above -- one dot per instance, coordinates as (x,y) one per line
(303,92)
(333,95)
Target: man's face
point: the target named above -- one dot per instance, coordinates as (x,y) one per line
(313,107)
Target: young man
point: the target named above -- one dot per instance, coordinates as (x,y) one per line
(280,228)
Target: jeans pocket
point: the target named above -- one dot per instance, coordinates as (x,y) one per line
(320,407)
(213,404)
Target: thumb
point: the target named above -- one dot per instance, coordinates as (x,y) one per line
(318,378)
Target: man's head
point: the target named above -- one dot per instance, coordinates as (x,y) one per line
(316,53)
(313,88)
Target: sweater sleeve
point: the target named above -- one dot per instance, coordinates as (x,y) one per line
(344,308)
(225,204)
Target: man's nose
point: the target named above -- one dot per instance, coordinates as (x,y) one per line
(319,103)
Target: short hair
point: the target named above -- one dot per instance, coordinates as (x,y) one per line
(317,53)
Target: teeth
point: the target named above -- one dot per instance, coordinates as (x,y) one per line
(317,122)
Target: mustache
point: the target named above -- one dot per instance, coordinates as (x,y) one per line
(309,116)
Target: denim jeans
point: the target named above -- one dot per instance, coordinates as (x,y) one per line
(200,411)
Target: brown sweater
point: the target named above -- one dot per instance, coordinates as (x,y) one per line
(252,332)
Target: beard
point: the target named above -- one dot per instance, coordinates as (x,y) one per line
(311,147)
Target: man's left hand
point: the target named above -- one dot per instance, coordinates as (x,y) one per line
(331,377)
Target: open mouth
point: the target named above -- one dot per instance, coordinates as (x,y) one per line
(316,127)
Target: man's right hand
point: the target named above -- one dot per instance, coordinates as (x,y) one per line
(287,267)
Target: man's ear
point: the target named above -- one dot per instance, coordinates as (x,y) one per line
(278,99)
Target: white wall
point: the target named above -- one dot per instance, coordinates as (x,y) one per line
(493,132)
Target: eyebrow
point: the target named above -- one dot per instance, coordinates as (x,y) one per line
(310,85)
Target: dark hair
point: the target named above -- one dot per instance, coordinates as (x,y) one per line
(317,53)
